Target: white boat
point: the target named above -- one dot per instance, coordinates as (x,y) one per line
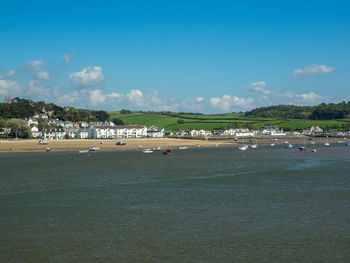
(254,145)
(182,147)
(156,149)
(147,151)
(243,147)
(288,145)
(83,151)
(48,149)
(327,143)
(313,150)
(272,145)
(42,142)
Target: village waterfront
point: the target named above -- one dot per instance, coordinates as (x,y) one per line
(215,204)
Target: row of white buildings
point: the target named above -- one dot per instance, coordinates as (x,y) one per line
(99,132)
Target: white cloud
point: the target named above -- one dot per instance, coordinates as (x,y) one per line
(310,97)
(89,76)
(114,95)
(96,97)
(43,75)
(312,69)
(67,57)
(259,86)
(199,99)
(9,88)
(228,103)
(34,68)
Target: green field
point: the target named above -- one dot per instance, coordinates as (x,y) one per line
(208,121)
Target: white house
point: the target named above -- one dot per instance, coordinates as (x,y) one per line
(131,131)
(316,128)
(155,132)
(244,133)
(51,134)
(83,134)
(35,132)
(194,133)
(31,122)
(72,132)
(102,132)
(277,133)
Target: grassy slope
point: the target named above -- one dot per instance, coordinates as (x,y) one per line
(208,122)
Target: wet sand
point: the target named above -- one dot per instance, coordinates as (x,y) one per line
(133,144)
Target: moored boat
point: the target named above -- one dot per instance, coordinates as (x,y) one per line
(156,149)
(93,148)
(302,148)
(148,150)
(167,152)
(42,142)
(243,147)
(288,145)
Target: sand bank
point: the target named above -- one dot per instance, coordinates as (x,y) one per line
(133,144)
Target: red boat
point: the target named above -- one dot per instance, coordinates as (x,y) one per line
(302,148)
(167,152)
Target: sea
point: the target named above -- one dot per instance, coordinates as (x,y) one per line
(216,204)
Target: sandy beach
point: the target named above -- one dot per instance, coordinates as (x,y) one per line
(7,146)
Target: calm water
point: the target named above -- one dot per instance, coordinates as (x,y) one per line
(200,205)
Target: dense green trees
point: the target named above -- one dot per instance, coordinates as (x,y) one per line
(282,111)
(19,128)
(22,108)
(320,112)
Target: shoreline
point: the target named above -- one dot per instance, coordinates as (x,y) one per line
(71,145)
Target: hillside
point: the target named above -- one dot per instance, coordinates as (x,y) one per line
(173,121)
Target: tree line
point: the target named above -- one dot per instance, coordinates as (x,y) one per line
(321,112)
(22,108)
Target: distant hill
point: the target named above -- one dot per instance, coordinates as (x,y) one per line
(321,112)
(289,117)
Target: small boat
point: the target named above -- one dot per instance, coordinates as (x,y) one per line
(243,147)
(313,150)
(140,147)
(313,143)
(101,142)
(288,145)
(254,146)
(216,145)
(182,147)
(302,148)
(347,144)
(197,145)
(147,150)
(327,143)
(156,149)
(340,141)
(167,152)
(48,149)
(93,148)
(83,151)
(121,143)
(42,142)
(272,145)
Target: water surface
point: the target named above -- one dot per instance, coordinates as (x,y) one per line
(197,205)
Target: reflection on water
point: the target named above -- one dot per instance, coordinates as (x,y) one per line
(200,205)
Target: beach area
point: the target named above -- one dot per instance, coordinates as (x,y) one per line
(7,146)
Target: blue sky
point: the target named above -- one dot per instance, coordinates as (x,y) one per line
(199,56)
